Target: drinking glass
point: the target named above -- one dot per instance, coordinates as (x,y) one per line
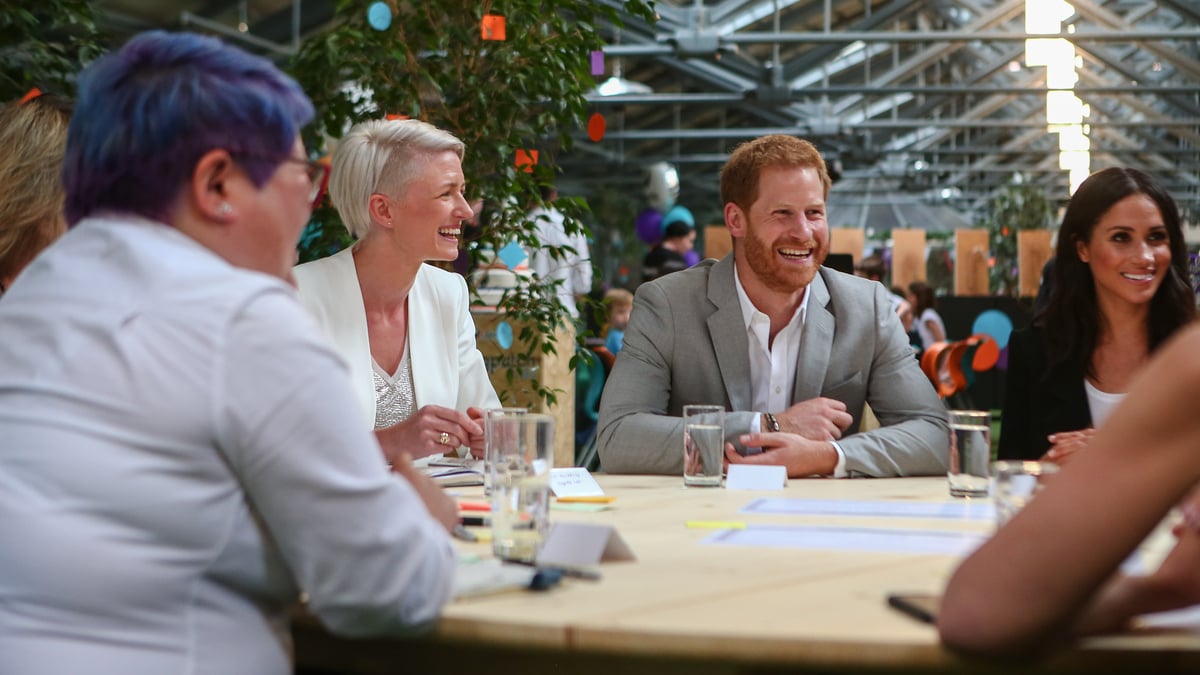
(521,462)
(703,445)
(970,452)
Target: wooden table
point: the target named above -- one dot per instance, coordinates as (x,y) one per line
(687,606)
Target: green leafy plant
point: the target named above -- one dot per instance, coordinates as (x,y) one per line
(44,45)
(1017,206)
(500,97)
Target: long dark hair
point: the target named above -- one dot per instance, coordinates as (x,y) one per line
(1071,320)
(924,296)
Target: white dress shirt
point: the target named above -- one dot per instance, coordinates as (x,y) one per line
(181,454)
(574,269)
(773,363)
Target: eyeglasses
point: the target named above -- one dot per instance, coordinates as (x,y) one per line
(318,176)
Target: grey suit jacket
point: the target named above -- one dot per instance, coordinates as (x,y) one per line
(686,344)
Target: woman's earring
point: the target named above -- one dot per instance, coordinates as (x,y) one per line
(225,210)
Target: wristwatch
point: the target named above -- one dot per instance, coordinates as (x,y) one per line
(772,423)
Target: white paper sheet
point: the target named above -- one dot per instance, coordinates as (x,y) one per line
(967,509)
(877,540)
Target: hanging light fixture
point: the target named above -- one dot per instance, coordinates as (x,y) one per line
(1065,112)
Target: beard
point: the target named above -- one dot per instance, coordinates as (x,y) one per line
(774,273)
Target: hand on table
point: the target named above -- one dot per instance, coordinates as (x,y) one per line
(1064,444)
(818,419)
(437,502)
(422,434)
(801,456)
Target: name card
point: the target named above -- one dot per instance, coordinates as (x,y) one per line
(578,545)
(755,477)
(574,482)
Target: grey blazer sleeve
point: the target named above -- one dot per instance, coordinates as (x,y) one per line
(913,438)
(667,362)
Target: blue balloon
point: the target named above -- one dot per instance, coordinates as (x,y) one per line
(995,323)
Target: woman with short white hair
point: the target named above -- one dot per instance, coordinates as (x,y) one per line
(404,326)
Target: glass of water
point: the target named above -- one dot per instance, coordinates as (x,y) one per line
(520,470)
(970,452)
(703,445)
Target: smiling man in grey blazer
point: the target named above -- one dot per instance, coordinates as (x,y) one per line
(792,349)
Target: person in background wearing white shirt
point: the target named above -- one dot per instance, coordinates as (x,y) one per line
(574,268)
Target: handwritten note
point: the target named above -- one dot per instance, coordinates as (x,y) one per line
(574,482)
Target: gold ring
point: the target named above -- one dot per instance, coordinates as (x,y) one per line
(444,439)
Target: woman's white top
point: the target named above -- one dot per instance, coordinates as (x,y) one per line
(1100,403)
(180,455)
(927,338)
(447,368)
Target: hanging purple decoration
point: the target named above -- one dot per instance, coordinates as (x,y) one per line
(649,226)
(379,15)
(597,63)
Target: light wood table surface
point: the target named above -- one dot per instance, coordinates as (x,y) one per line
(688,606)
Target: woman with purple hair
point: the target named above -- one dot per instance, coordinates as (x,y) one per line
(182,454)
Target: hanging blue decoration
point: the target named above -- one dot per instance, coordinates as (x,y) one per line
(379,15)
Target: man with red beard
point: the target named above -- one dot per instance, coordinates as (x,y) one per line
(791,349)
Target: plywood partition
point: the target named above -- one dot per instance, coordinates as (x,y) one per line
(908,257)
(847,240)
(717,242)
(1033,250)
(971,262)
(498,339)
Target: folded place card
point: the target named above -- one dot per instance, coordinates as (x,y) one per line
(755,477)
(577,545)
(574,482)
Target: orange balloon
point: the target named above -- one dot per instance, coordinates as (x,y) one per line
(596,127)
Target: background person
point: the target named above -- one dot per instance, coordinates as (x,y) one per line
(926,319)
(573,269)
(404,326)
(669,255)
(1121,289)
(181,455)
(620,304)
(33,134)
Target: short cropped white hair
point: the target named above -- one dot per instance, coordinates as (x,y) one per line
(381,156)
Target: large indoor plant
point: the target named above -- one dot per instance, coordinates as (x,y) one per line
(525,92)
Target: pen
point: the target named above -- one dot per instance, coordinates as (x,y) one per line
(475,521)
(593,499)
(573,572)
(474,506)
(464,534)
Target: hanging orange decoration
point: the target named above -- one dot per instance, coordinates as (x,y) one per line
(492,27)
(526,159)
(597,125)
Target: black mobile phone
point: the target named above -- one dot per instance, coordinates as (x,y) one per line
(921,606)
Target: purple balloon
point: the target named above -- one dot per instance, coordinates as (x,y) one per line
(649,226)
(692,257)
